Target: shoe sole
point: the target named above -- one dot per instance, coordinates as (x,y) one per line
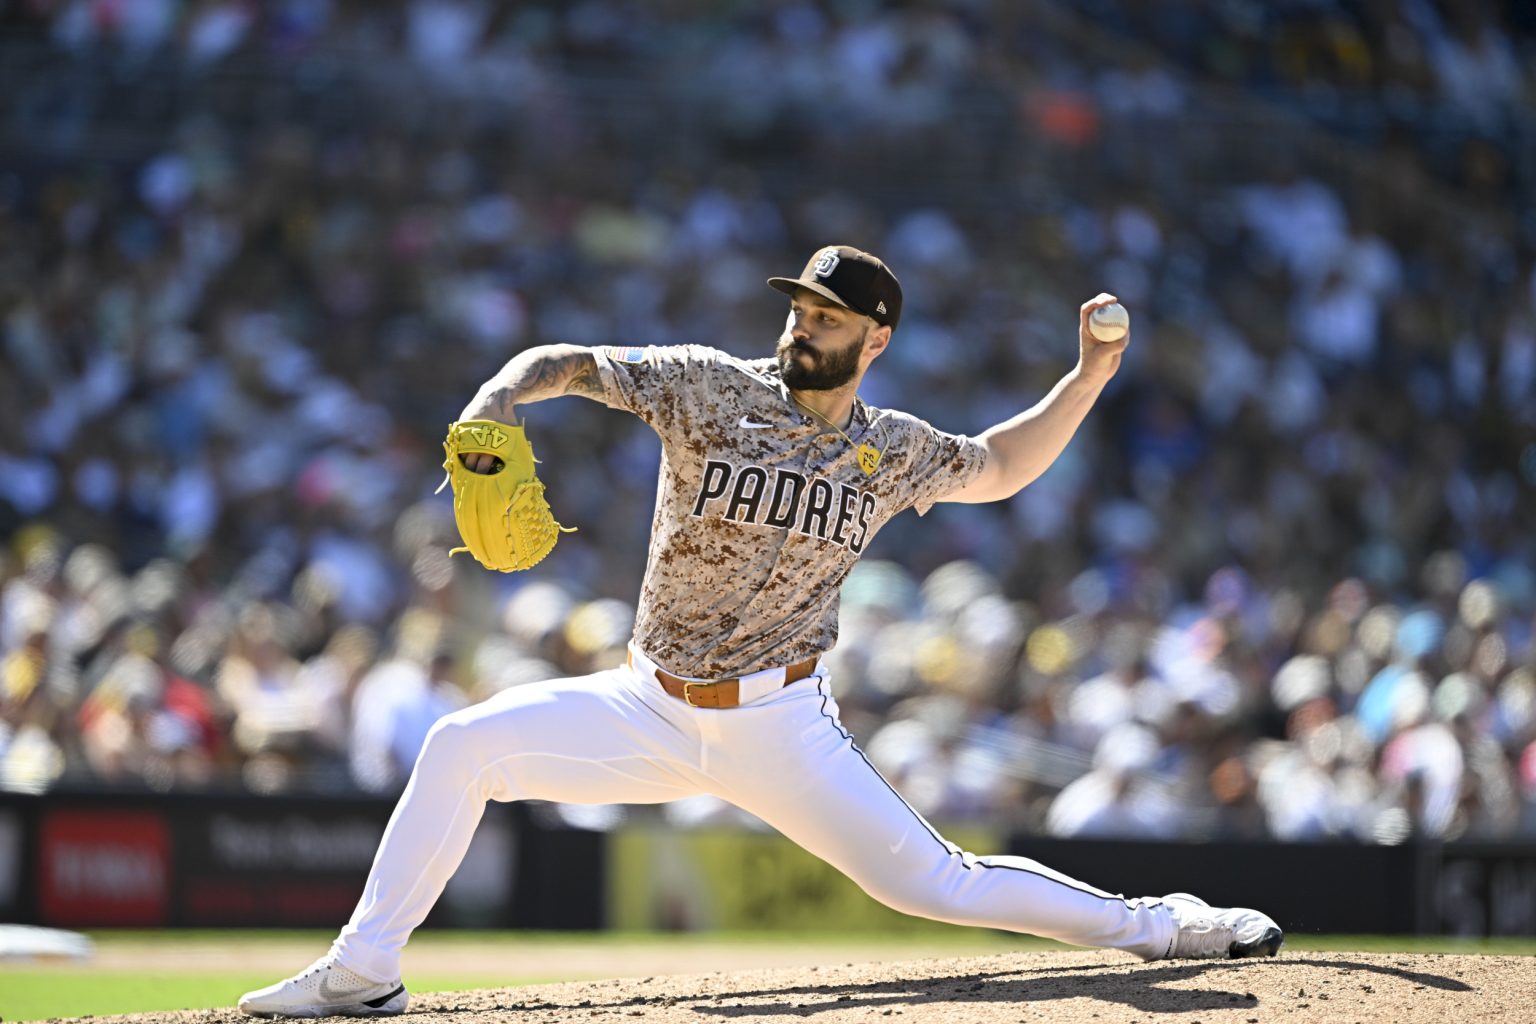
(1267,944)
(312,1012)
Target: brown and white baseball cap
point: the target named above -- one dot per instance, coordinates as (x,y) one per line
(852,278)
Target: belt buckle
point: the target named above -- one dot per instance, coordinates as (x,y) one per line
(688,694)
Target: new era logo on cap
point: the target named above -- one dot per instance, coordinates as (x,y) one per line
(852,278)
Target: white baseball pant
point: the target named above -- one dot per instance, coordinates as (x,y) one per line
(617,737)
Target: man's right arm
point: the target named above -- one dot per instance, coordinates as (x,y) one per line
(546,371)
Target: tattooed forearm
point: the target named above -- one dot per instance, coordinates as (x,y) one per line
(585,381)
(532,376)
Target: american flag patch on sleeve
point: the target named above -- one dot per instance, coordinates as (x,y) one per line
(632,354)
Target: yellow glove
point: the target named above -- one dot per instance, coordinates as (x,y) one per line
(502,515)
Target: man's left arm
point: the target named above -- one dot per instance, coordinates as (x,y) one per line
(1020,449)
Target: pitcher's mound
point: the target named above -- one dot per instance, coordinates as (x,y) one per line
(1079,987)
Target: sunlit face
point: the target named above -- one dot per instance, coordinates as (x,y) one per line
(822,343)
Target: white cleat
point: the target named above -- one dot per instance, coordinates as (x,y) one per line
(1207,931)
(326,989)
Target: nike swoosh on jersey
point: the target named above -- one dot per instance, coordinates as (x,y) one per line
(898,844)
(747,423)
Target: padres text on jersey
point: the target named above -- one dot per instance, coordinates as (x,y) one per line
(818,508)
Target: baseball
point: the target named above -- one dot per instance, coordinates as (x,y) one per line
(1109,323)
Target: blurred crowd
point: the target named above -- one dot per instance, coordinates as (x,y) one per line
(255,257)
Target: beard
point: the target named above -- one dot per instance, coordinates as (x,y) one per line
(828,371)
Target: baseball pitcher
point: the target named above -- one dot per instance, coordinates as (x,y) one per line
(775,478)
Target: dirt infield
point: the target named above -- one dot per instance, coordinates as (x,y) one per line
(1078,987)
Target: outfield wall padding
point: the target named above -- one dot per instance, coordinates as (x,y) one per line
(149,861)
(91,860)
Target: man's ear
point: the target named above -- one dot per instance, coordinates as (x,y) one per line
(876,340)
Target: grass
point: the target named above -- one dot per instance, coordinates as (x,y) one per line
(35,996)
(32,992)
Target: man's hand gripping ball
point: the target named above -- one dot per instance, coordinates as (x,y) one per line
(500,510)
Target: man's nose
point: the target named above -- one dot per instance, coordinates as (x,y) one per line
(799,332)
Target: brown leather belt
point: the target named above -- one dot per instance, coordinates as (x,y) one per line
(721,693)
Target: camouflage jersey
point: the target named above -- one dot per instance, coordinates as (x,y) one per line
(761,510)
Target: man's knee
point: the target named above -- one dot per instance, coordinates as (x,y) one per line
(452,740)
(924,894)
(915,903)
